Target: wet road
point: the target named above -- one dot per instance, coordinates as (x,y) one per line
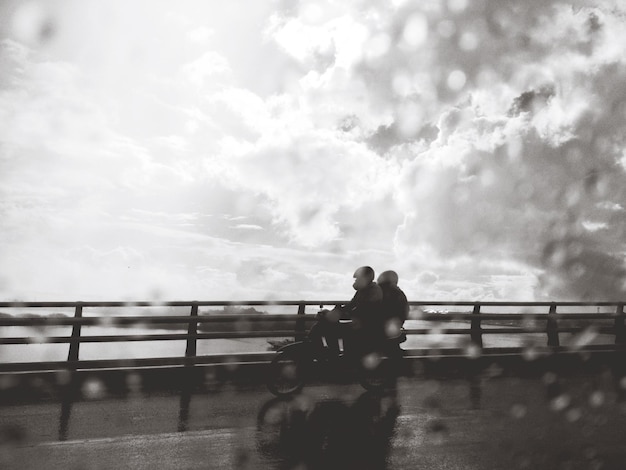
(426,424)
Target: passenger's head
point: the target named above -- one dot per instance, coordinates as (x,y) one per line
(389,278)
(363,277)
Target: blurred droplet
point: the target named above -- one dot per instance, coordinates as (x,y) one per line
(243,324)
(573,415)
(446,28)
(468,41)
(377,46)
(274,416)
(518,410)
(93,389)
(457,6)
(596,399)
(622,383)
(371,361)
(289,371)
(31,23)
(494,370)
(410,118)
(435,336)
(140,327)
(487,177)
(38,335)
(514,148)
(573,197)
(549,378)
(7,382)
(529,321)
(63,377)
(415,31)
(555,254)
(472,351)
(577,270)
(312,13)
(584,338)
(106,321)
(401,84)
(531,353)
(416,313)
(133,382)
(392,328)
(456,80)
(231,364)
(560,402)
(303,403)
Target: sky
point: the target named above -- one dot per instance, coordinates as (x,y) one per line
(208,150)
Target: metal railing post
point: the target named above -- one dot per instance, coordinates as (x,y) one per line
(476,329)
(300,326)
(620,330)
(552,328)
(192,332)
(75,341)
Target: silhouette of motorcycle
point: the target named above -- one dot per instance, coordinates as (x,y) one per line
(298,362)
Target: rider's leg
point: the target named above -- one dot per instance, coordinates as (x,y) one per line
(315,335)
(332,334)
(324,331)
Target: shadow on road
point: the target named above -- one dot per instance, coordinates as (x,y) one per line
(333,433)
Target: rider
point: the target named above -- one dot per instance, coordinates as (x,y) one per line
(395,304)
(364,310)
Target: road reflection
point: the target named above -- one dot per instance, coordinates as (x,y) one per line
(300,433)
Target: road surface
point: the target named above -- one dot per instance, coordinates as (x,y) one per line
(499,422)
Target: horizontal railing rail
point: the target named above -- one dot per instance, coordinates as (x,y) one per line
(202,326)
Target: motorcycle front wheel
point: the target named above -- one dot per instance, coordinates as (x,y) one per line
(286,374)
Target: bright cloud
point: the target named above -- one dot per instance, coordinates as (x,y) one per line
(475,147)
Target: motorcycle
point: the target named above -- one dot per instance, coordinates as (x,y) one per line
(296,363)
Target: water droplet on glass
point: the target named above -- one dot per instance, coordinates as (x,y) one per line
(456,80)
(446,28)
(457,6)
(371,361)
(560,402)
(63,377)
(473,351)
(573,415)
(415,31)
(468,41)
(133,382)
(518,411)
(596,399)
(93,389)
(549,378)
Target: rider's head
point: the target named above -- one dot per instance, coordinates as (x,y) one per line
(363,277)
(389,278)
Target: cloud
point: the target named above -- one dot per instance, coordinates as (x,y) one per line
(474,147)
(200,35)
(527,104)
(247,227)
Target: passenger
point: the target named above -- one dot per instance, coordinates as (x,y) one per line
(364,310)
(395,304)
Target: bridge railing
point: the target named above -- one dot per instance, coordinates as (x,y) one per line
(483,318)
